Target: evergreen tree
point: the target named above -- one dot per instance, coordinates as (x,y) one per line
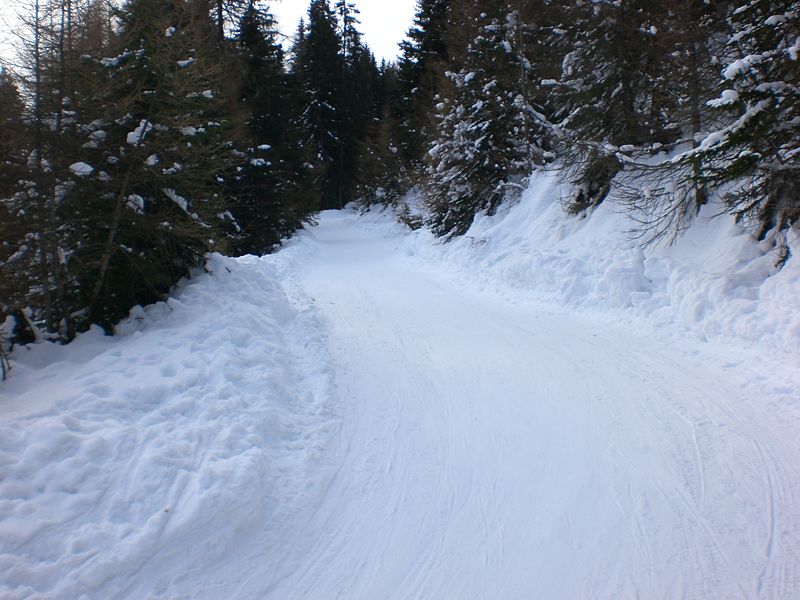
(695,29)
(612,94)
(317,68)
(357,109)
(758,153)
(337,78)
(422,64)
(490,136)
(270,194)
(382,174)
(666,197)
(150,191)
(382,178)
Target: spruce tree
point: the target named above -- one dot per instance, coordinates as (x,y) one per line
(152,194)
(359,81)
(382,177)
(610,95)
(337,77)
(490,137)
(422,63)
(665,196)
(317,68)
(758,153)
(269,194)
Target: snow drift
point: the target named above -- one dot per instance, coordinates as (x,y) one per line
(176,440)
(716,280)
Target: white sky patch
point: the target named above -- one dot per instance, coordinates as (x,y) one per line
(8,25)
(383,22)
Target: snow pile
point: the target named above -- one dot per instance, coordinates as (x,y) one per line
(166,446)
(716,281)
(81,169)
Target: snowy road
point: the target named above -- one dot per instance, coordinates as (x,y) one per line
(346,420)
(491,450)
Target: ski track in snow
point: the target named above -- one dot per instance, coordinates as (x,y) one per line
(342,421)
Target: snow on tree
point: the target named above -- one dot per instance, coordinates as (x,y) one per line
(756,157)
(424,58)
(163,149)
(490,137)
(611,94)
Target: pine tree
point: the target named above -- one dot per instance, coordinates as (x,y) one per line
(490,136)
(150,194)
(270,196)
(317,68)
(420,70)
(758,153)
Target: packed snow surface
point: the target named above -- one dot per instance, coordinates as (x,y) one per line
(359,417)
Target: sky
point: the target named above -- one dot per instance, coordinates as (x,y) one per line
(7,23)
(383,22)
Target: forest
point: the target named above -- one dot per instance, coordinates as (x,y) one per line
(137,137)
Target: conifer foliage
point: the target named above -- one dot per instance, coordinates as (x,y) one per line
(488,139)
(759,150)
(150,132)
(609,93)
(271,190)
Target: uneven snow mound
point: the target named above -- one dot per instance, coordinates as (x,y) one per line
(715,281)
(162,448)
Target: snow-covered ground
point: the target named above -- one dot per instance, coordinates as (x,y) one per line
(370,414)
(168,461)
(715,282)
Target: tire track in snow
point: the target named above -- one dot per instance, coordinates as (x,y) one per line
(515,451)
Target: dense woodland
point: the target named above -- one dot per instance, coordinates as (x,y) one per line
(137,136)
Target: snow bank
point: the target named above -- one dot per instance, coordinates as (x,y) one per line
(716,281)
(164,446)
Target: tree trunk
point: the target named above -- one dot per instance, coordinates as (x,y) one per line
(695,100)
(40,175)
(116,217)
(220,22)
